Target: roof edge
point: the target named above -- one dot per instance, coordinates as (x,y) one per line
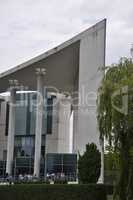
(56,49)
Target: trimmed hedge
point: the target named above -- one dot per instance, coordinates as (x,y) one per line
(53,192)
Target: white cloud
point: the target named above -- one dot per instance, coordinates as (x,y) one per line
(30,27)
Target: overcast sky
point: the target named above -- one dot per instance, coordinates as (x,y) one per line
(30,27)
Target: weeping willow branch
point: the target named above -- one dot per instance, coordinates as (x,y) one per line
(115,120)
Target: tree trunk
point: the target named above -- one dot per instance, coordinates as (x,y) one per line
(121,190)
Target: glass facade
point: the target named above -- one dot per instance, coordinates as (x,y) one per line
(21,119)
(2,168)
(56,165)
(62,163)
(26,115)
(49,114)
(24,143)
(24,146)
(7,119)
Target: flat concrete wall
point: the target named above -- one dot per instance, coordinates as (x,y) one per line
(52,139)
(91,62)
(64,126)
(59,140)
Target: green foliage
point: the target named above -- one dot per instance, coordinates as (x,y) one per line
(89,164)
(115,119)
(54,192)
(111,165)
(111,159)
(60,182)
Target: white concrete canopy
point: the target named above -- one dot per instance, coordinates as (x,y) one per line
(61,64)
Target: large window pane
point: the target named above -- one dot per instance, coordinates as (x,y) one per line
(66,163)
(24,146)
(20,125)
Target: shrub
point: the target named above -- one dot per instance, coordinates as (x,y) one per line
(53,192)
(89,165)
(60,182)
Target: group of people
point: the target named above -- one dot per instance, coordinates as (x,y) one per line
(27,178)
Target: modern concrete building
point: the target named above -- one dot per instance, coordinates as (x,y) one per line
(69,74)
(56,128)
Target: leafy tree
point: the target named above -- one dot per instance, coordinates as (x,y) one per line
(111,159)
(89,164)
(111,165)
(115,119)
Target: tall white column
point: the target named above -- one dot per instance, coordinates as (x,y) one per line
(39,117)
(11,132)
